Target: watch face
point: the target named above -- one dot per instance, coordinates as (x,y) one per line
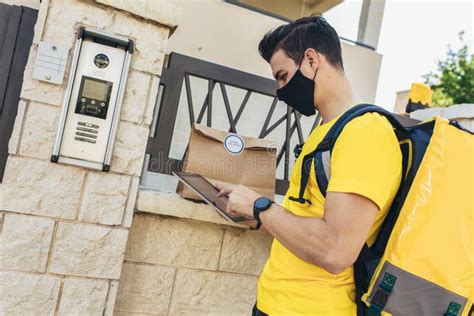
(262,203)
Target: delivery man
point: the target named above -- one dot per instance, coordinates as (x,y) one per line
(309,270)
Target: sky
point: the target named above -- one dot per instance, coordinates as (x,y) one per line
(414,36)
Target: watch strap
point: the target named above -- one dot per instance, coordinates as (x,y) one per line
(257,211)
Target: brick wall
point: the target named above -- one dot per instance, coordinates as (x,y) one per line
(183,266)
(64,229)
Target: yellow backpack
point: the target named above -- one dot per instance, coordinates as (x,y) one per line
(422,262)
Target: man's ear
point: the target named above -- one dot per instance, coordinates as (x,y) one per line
(312,56)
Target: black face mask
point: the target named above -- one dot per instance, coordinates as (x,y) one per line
(299,93)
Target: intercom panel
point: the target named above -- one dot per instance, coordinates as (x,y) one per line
(93,101)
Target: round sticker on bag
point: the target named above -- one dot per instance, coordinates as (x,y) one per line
(234,144)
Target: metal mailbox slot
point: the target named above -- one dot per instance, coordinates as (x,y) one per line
(92,104)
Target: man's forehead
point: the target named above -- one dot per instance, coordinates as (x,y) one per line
(280,61)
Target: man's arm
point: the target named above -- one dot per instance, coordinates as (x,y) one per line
(332,242)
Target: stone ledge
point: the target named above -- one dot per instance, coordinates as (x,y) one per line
(458,111)
(163,12)
(171,204)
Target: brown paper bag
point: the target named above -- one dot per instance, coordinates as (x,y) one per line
(223,157)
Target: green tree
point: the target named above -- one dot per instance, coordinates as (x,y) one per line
(453,81)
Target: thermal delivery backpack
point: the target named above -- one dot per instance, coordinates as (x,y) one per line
(422,262)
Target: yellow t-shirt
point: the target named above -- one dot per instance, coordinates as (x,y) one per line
(366,160)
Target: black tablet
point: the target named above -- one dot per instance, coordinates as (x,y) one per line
(209,193)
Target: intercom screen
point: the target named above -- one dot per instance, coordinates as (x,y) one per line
(94,97)
(95,90)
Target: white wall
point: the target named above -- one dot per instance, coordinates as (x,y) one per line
(229,35)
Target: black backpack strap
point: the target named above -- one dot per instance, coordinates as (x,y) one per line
(322,154)
(305,170)
(324,149)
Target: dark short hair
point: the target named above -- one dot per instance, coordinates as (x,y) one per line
(297,36)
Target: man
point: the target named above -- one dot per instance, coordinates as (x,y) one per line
(316,241)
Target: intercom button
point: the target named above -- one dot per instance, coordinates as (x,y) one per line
(84,124)
(87,124)
(87,140)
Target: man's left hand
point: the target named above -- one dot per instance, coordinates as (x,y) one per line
(240,198)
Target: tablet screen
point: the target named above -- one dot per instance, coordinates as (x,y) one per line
(209,193)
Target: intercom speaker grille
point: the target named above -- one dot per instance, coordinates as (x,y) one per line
(98,74)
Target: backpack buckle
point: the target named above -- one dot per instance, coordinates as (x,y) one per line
(299,200)
(297,150)
(325,144)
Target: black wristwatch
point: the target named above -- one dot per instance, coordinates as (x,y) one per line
(261,204)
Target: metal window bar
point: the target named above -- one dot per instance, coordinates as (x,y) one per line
(179,70)
(16,35)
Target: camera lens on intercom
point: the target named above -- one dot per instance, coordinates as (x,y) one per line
(101,60)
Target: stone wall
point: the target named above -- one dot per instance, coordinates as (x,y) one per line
(186,267)
(64,229)
(463,113)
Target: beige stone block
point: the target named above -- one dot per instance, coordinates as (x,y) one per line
(24,242)
(104,198)
(111,298)
(171,204)
(129,148)
(163,12)
(40,21)
(132,199)
(144,289)
(28,294)
(41,91)
(152,101)
(244,251)
(120,313)
(41,188)
(167,241)
(87,250)
(135,96)
(39,131)
(83,297)
(212,293)
(15,137)
(150,42)
(64,17)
